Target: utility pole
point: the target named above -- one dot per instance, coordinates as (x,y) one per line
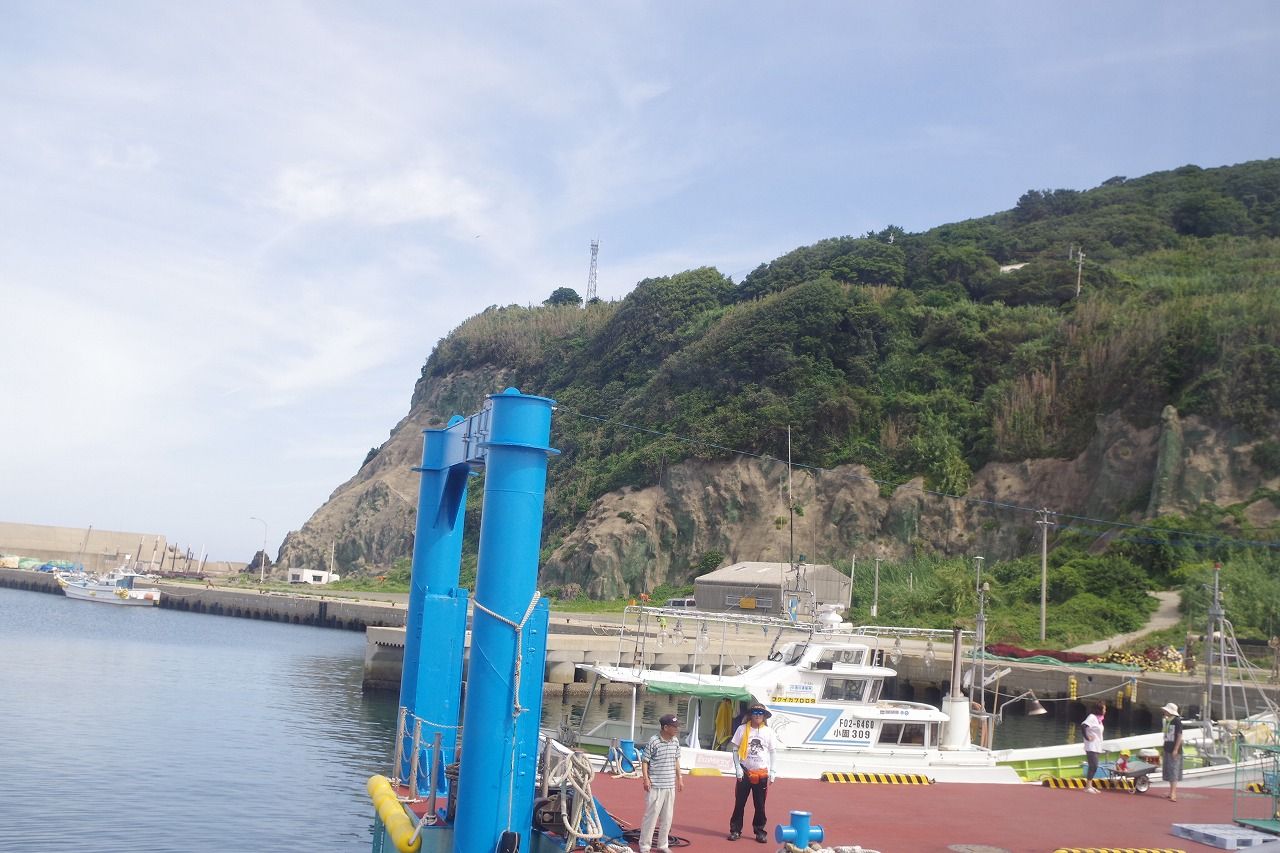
(262,566)
(1079,270)
(977,686)
(875,595)
(791,527)
(853,573)
(1044,565)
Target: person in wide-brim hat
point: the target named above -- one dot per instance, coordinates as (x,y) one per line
(1171,763)
(753,750)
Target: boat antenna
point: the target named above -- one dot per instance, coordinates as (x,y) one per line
(84,544)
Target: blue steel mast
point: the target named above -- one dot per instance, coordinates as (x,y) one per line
(510,436)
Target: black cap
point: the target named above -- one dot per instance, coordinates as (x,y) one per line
(668,720)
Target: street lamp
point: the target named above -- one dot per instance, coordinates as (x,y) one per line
(262,566)
(1034,708)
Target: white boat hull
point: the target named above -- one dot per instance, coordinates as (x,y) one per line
(109,594)
(1204,768)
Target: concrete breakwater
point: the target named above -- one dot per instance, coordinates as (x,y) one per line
(570,641)
(297,609)
(1133,698)
(1064,690)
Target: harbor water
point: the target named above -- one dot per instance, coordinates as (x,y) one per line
(146,730)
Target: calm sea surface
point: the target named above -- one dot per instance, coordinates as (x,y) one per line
(147,730)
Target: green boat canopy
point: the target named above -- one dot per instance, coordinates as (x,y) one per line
(702,691)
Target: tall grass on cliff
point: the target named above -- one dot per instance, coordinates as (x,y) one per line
(1196,327)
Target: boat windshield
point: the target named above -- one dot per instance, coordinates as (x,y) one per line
(844,689)
(908,734)
(849,656)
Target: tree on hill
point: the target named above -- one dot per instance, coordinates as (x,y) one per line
(563,296)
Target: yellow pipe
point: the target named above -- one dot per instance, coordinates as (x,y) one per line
(391,813)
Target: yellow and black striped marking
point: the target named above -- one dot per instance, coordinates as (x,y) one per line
(878,778)
(1118,850)
(1105,784)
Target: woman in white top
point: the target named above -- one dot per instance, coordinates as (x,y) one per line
(1093,729)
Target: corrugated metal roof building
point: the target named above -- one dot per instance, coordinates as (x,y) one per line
(765,588)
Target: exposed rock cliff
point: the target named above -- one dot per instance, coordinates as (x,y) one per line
(369,520)
(636,539)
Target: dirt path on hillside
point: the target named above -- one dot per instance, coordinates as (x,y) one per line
(1166,616)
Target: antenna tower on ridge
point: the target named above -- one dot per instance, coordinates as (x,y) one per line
(591,276)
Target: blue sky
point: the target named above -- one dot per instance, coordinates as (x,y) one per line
(231,233)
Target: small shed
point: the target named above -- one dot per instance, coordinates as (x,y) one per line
(767,588)
(316,577)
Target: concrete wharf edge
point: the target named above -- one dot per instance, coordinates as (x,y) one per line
(297,609)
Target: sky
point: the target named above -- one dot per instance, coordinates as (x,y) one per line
(231,233)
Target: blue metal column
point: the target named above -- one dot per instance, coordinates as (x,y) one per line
(504,679)
(431,683)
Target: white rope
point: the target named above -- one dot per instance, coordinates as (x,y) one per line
(516,708)
(572,772)
(613,765)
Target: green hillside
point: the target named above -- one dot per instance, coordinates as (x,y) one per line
(914,354)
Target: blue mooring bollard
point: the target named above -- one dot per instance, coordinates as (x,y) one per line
(800,832)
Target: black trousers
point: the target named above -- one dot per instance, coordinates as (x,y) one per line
(758,791)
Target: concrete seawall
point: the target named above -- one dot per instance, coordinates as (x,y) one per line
(1133,698)
(315,610)
(1065,690)
(569,643)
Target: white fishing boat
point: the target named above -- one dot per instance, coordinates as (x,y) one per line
(823,690)
(118,586)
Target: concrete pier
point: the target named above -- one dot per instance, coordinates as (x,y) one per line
(1132,696)
(569,643)
(323,611)
(1066,691)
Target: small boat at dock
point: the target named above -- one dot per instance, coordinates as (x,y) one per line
(118,586)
